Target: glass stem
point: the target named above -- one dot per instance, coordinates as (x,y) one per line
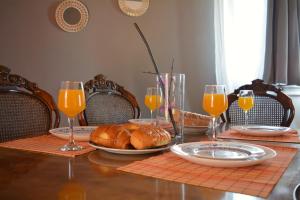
(70,170)
(214,136)
(151,114)
(246,118)
(71,138)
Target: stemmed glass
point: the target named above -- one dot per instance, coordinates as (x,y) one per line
(71,101)
(153,99)
(246,102)
(214,103)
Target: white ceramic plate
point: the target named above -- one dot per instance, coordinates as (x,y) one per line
(222,150)
(256,130)
(188,130)
(180,150)
(296,193)
(148,121)
(129,151)
(195,127)
(81,133)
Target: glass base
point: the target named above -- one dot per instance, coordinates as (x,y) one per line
(178,139)
(71,147)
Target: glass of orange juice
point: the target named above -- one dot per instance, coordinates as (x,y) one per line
(214,103)
(71,101)
(246,102)
(153,99)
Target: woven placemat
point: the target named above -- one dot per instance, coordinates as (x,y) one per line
(46,144)
(290,137)
(257,180)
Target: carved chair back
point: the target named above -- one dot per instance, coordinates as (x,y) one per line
(271,106)
(107,102)
(25,109)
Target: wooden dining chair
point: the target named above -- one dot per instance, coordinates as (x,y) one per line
(25,109)
(107,102)
(271,106)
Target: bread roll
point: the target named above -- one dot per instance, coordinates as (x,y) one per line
(130,126)
(149,137)
(112,136)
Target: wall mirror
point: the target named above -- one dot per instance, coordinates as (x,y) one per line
(134,7)
(71,15)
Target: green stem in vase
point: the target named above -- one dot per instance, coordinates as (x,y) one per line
(171,76)
(161,83)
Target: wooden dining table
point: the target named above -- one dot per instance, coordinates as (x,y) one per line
(94,175)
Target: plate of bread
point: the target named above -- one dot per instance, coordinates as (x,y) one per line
(130,138)
(195,120)
(191,120)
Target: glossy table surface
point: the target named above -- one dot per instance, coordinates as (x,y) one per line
(26,175)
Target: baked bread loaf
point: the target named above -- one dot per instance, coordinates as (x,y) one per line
(126,136)
(149,136)
(112,136)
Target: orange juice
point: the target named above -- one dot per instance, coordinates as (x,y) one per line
(215,104)
(246,103)
(153,101)
(72,190)
(71,102)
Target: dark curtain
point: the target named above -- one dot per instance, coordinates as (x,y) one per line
(282,42)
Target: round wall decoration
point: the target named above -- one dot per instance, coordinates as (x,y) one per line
(71,15)
(134,7)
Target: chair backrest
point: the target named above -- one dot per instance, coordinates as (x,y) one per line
(271,106)
(25,109)
(107,102)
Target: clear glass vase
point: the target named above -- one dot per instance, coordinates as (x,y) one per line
(173,92)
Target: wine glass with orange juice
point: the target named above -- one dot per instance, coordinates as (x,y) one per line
(246,102)
(71,101)
(153,99)
(214,103)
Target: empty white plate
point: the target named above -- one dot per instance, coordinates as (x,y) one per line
(222,150)
(81,133)
(232,158)
(257,130)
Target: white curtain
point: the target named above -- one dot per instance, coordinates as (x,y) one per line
(240,38)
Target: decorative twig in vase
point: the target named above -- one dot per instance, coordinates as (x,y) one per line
(171,75)
(161,83)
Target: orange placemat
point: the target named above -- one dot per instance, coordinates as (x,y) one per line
(46,144)
(291,137)
(257,180)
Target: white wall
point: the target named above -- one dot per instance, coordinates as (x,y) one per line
(33,46)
